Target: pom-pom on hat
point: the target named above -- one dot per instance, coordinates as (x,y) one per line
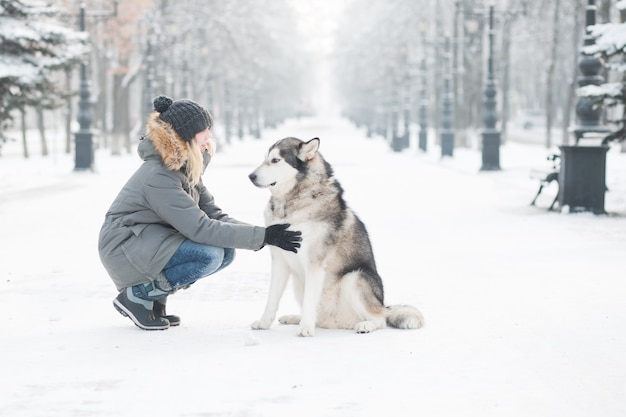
(185,116)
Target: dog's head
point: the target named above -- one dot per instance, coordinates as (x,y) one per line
(286,162)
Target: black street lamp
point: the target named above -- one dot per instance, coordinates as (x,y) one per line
(490,135)
(590,67)
(83,139)
(582,177)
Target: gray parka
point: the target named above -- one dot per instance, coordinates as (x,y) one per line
(156,211)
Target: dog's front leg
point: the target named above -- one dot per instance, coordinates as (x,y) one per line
(313,286)
(278,282)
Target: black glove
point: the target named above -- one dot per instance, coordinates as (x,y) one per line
(278,235)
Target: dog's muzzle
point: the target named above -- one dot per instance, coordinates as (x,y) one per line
(253,177)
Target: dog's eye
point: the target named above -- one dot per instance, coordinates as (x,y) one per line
(275,160)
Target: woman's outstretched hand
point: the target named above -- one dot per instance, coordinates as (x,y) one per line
(278,235)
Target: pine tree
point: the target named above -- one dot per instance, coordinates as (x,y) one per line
(34,48)
(610,45)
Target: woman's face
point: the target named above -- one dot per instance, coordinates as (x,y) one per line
(203,138)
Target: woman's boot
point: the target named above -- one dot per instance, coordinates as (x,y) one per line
(159,311)
(140,311)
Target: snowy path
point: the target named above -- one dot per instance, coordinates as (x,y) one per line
(525,310)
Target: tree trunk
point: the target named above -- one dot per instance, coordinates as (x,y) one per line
(622,19)
(604,11)
(506,61)
(550,77)
(69,113)
(101,95)
(604,16)
(457,80)
(42,131)
(121,119)
(571,91)
(439,70)
(116,140)
(24,142)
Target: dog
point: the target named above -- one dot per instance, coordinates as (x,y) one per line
(334,272)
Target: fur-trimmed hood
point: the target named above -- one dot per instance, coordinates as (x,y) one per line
(163,144)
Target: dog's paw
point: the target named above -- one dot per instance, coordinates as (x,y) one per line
(365,327)
(289,319)
(260,325)
(306,331)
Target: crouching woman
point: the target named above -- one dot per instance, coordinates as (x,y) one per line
(164,231)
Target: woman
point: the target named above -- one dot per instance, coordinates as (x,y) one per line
(163,231)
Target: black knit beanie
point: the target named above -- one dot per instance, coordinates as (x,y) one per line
(186,116)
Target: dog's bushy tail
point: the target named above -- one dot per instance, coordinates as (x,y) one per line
(404,316)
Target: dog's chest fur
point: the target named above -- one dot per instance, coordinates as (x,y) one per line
(310,200)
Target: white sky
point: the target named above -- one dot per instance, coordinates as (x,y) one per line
(318,21)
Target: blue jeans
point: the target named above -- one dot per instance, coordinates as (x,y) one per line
(192,261)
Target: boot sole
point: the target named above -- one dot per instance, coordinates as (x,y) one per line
(126,313)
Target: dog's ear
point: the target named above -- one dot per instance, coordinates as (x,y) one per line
(308,150)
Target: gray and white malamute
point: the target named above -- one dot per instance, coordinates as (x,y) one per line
(335,277)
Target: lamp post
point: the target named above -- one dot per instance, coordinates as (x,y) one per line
(582,177)
(490,135)
(83,139)
(590,74)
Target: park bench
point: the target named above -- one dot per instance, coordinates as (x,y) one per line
(545,177)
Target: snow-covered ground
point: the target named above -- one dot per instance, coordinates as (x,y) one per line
(525,309)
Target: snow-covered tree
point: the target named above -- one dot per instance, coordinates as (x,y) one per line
(33,49)
(610,45)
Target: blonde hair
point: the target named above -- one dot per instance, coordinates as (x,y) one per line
(195,163)
(212,146)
